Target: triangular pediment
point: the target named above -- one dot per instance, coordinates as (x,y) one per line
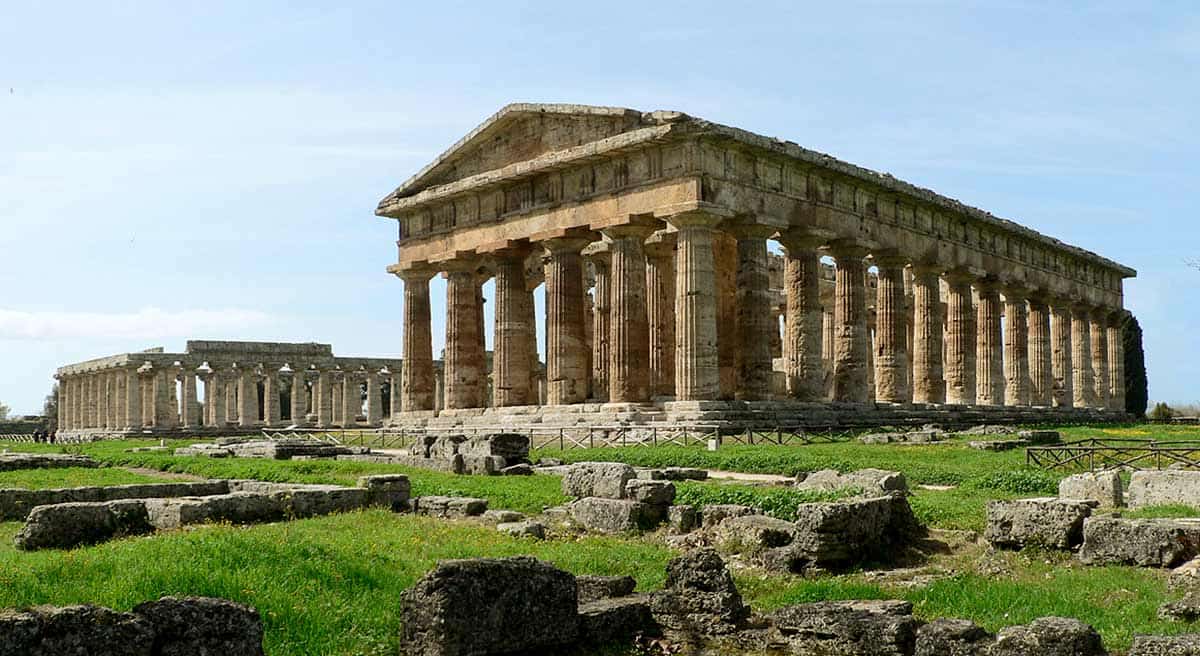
(521,132)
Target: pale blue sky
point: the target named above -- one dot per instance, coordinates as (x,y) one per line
(209,169)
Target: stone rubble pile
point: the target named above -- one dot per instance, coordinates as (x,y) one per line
(189,626)
(495,454)
(612,499)
(280,449)
(869,481)
(15,503)
(16,461)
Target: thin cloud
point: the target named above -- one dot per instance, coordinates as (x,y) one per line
(147,323)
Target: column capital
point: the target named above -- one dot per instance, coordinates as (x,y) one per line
(416,274)
(565,244)
(803,238)
(696,219)
(961,275)
(1014,291)
(848,248)
(748,229)
(988,284)
(628,231)
(889,260)
(661,244)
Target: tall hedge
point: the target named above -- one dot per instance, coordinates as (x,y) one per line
(1137,394)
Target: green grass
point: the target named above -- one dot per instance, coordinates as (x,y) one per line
(1168,511)
(39,479)
(330,585)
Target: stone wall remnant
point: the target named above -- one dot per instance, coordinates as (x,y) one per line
(1103,487)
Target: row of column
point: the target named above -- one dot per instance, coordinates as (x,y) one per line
(687,315)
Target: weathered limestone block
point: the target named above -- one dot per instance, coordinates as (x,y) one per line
(1049,636)
(700,597)
(950,637)
(1048,522)
(489,606)
(1164,487)
(683,519)
(1040,436)
(482,465)
(606,621)
(202,626)
(1186,609)
(15,461)
(15,504)
(67,525)
(843,533)
(446,446)
(616,515)
(512,447)
(752,534)
(1103,487)
(673,474)
(660,493)
(595,588)
(1186,577)
(523,529)
(387,490)
(868,480)
(1187,644)
(502,516)
(236,508)
(91,630)
(719,512)
(302,502)
(877,628)
(449,507)
(1142,542)
(597,479)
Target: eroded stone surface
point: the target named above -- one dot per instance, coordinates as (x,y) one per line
(1048,522)
(1142,542)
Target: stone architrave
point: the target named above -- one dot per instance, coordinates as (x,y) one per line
(891,326)
(1060,340)
(464,364)
(753,315)
(1041,369)
(513,338)
(928,383)
(961,340)
(566,364)
(1081,357)
(660,310)
(851,336)
(989,364)
(416,376)
(629,344)
(697,376)
(1016,348)
(805,365)
(1099,356)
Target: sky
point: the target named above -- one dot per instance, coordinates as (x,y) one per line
(209,170)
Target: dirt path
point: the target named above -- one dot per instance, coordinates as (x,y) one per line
(753,478)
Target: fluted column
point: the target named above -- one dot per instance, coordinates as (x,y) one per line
(299,395)
(416,376)
(1041,370)
(215,398)
(851,338)
(803,340)
(323,398)
(149,397)
(891,324)
(464,367)
(1061,358)
(191,409)
(232,404)
(928,382)
(753,314)
(989,365)
(960,340)
(271,407)
(374,400)
(1081,357)
(629,343)
(697,376)
(247,397)
(660,308)
(725,264)
(351,399)
(1116,361)
(166,409)
(513,338)
(601,322)
(335,397)
(1016,348)
(394,406)
(1099,330)
(566,366)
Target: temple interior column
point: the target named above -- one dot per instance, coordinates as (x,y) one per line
(827,341)
(485,380)
(323,397)
(465,369)
(1116,361)
(513,339)
(300,395)
(218,398)
(660,310)
(601,319)
(960,340)
(928,383)
(1016,348)
(271,409)
(629,343)
(1060,341)
(351,399)
(166,409)
(1099,346)
(891,324)
(231,398)
(374,399)
(394,403)
(725,265)
(697,375)
(567,375)
(1041,371)
(338,385)
(851,339)
(247,397)
(989,369)
(1081,357)
(753,315)
(804,339)
(191,409)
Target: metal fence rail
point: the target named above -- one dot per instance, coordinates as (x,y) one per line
(1095,454)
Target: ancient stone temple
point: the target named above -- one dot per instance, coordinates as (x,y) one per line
(653,234)
(226,387)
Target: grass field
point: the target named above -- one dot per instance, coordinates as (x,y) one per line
(39,479)
(331,585)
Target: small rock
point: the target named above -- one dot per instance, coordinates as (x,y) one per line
(683,519)
(717,513)
(1186,609)
(950,637)
(660,493)
(522,469)
(595,588)
(1049,636)
(1187,644)
(502,517)
(525,529)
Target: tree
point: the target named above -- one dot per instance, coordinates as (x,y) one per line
(1137,394)
(1162,412)
(4,410)
(50,409)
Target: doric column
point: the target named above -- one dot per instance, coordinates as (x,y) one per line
(166,409)
(464,367)
(105,401)
(323,397)
(565,362)
(960,340)
(803,342)
(1081,357)
(1116,361)
(989,365)
(891,324)
(351,399)
(851,338)
(513,338)
(753,332)
(601,321)
(271,409)
(629,343)
(149,395)
(133,399)
(697,376)
(1016,348)
(232,407)
(1099,330)
(928,383)
(374,399)
(725,260)
(394,405)
(216,397)
(299,398)
(416,376)
(1041,370)
(335,390)
(660,308)
(827,332)
(191,409)
(247,397)
(1060,340)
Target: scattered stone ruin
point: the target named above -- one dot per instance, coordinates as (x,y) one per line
(650,232)
(188,626)
(16,461)
(246,386)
